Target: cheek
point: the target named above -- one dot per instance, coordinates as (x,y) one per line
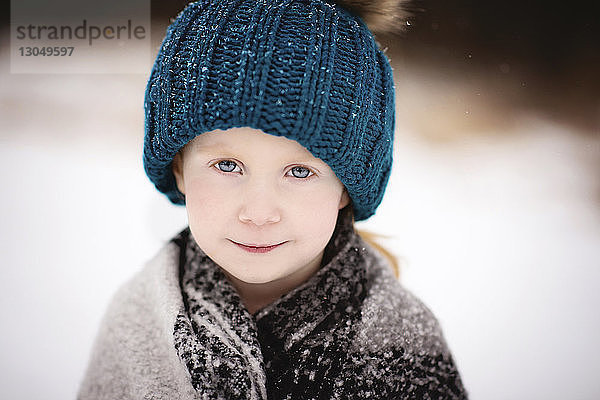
(316,210)
(207,202)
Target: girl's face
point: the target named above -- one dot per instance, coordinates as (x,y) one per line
(247,191)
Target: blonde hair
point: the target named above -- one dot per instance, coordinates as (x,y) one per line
(371,239)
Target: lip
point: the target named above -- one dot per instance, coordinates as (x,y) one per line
(257,248)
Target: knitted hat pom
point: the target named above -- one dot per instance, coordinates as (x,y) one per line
(308,70)
(381,16)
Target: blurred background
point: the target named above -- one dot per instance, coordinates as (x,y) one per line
(493,207)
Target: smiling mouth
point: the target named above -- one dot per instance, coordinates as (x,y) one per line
(257,248)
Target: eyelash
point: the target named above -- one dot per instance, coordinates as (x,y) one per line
(311,172)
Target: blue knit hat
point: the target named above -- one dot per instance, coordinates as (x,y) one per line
(309,70)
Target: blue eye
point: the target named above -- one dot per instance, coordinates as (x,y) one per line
(300,172)
(226,165)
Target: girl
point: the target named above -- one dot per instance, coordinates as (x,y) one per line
(272,121)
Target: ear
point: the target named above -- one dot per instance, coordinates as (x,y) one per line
(177,169)
(344,199)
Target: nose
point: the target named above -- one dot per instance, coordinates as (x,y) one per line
(259,206)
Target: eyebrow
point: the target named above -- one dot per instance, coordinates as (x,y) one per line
(211,147)
(215,148)
(222,148)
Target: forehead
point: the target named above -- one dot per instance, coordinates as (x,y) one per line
(248,140)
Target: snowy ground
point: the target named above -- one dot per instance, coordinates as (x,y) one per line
(498,233)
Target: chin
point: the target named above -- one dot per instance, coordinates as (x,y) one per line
(251,278)
(257,279)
